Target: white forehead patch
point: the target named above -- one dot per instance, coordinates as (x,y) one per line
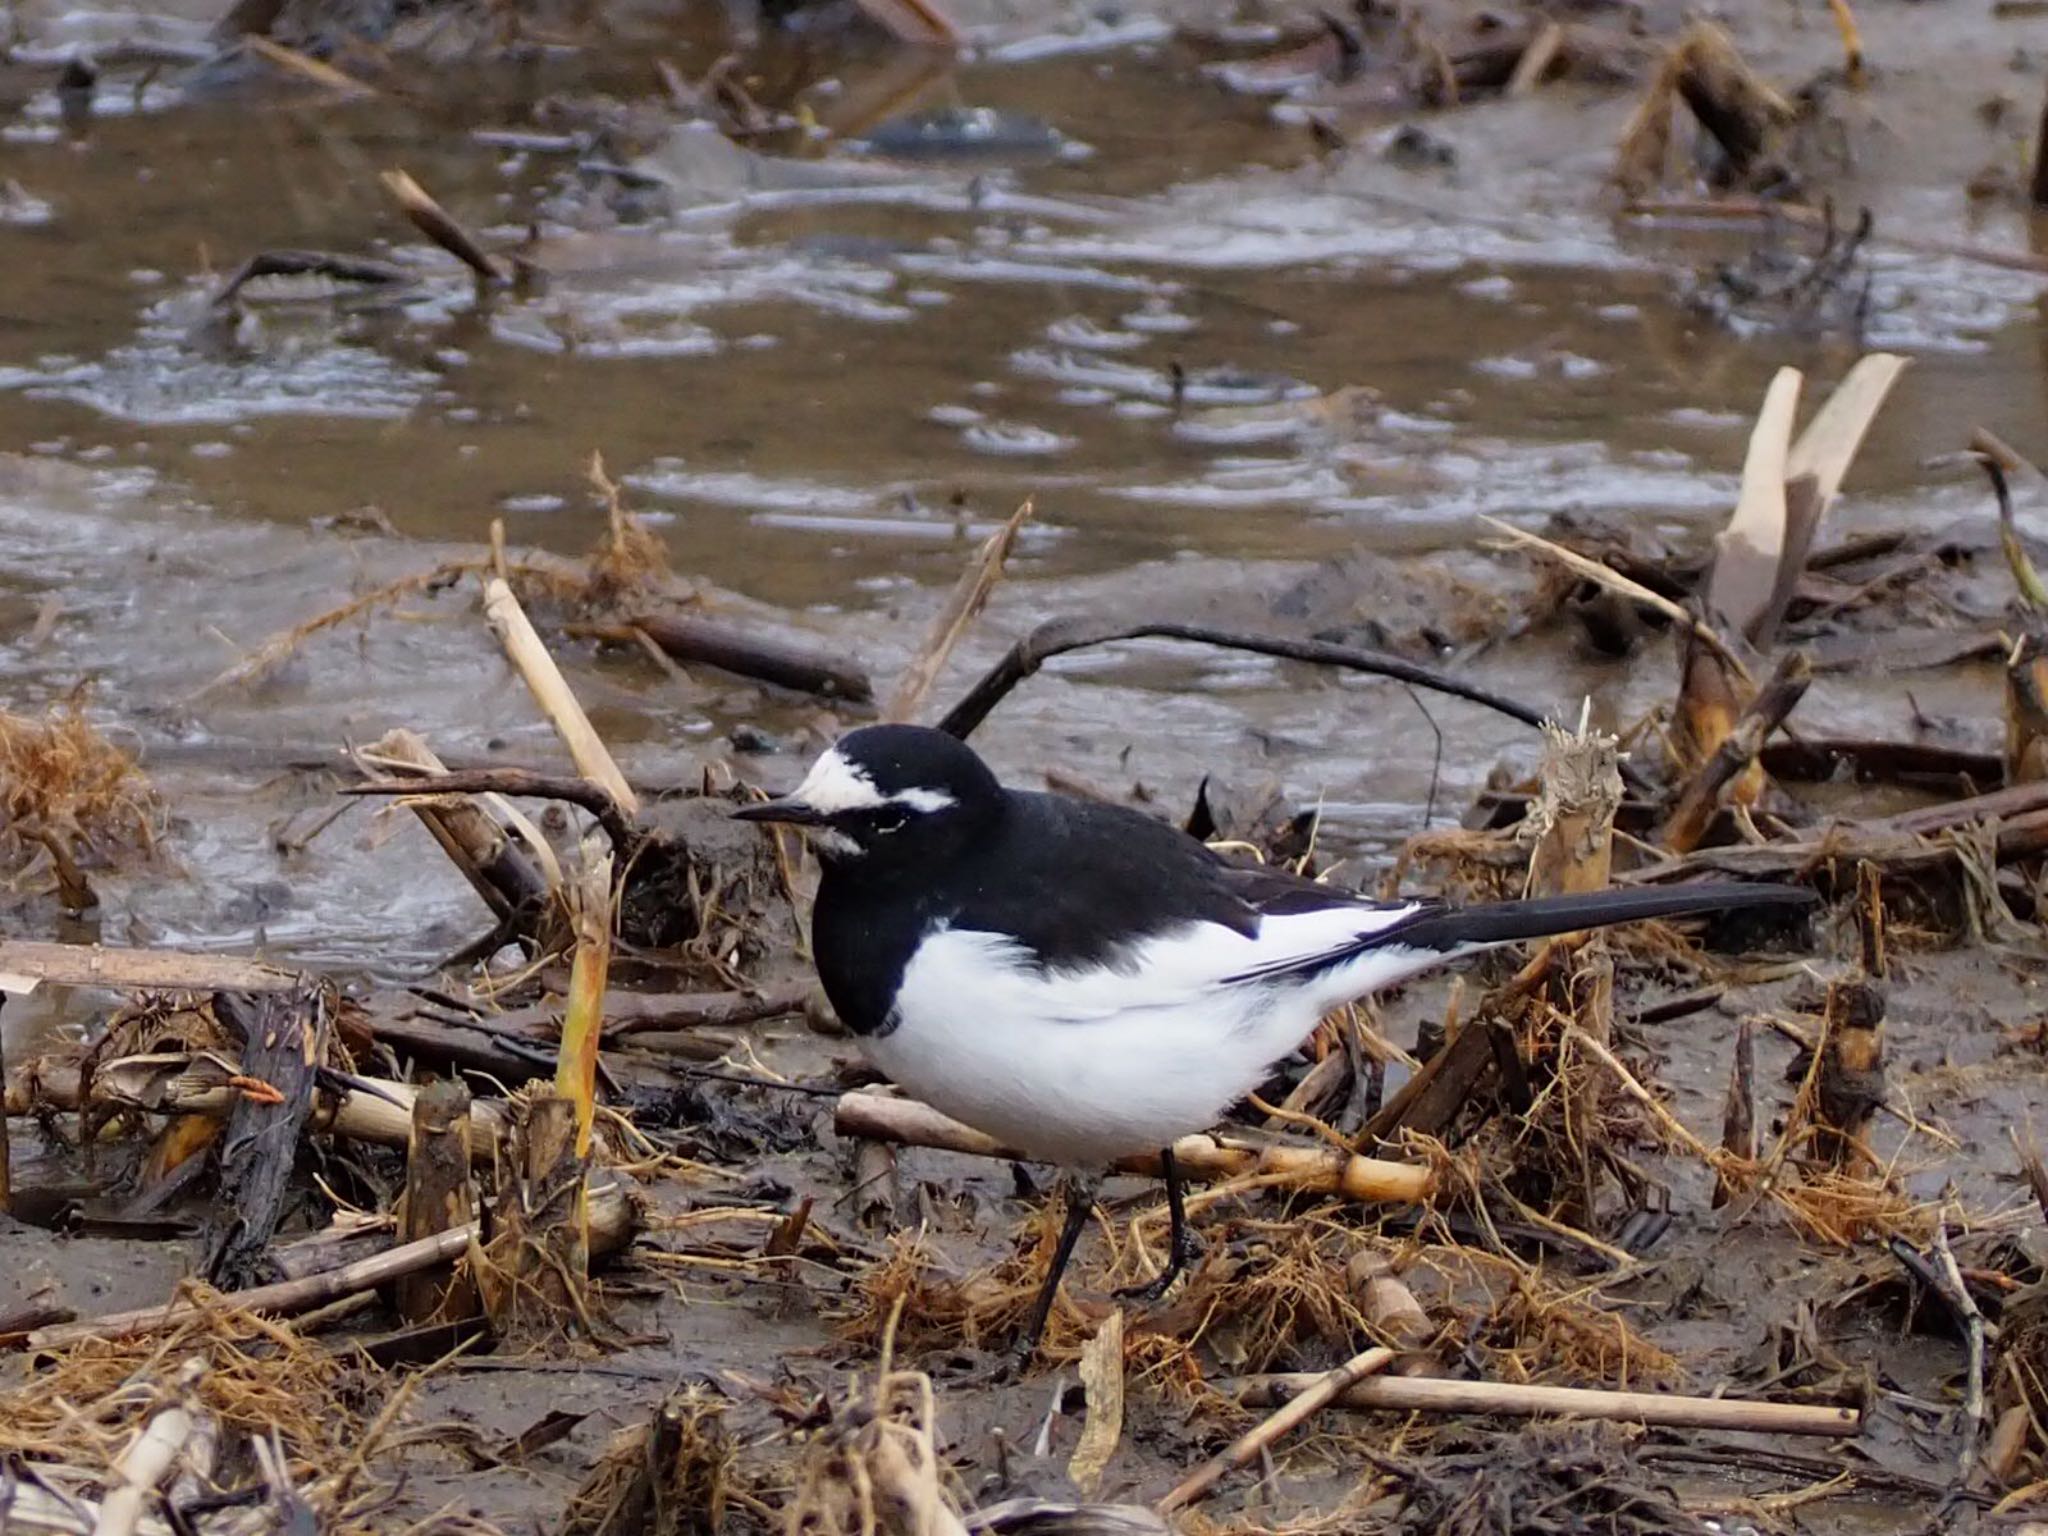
(834,785)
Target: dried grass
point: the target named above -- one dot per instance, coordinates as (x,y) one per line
(251,1380)
(68,790)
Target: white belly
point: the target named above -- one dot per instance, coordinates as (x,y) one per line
(1083,1069)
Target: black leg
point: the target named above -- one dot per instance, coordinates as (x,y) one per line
(1080,1205)
(1180,1242)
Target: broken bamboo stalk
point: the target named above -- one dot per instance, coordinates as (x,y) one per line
(551,691)
(1423,1394)
(198,1083)
(476,844)
(968,597)
(444,229)
(535,1276)
(1738,1116)
(907,1122)
(1260,1438)
(438,1196)
(1736,751)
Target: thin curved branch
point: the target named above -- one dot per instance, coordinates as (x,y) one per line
(515,781)
(1056,637)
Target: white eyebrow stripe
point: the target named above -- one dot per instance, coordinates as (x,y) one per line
(835,785)
(924,800)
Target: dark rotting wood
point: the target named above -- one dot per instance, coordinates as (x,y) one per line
(438,1195)
(1738,1116)
(2039,186)
(1431,1099)
(1851,1084)
(283,1038)
(746,653)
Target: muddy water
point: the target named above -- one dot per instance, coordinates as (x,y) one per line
(822,385)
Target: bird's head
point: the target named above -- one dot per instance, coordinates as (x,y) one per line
(888,792)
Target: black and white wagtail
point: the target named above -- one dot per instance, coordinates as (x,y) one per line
(1084,983)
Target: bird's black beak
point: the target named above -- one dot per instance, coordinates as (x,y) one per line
(792,813)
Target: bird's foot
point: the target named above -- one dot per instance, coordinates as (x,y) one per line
(1184,1257)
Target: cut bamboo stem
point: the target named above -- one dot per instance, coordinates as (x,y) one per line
(551,691)
(1733,755)
(1421,1394)
(379,1113)
(438,1196)
(1321,1169)
(507,880)
(1261,1436)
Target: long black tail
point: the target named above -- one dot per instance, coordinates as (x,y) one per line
(1444,931)
(1504,922)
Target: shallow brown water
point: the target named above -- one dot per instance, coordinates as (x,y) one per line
(820,395)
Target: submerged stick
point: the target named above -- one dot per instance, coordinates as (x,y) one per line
(443,228)
(1421,1394)
(1323,1169)
(1258,1439)
(1056,637)
(745,653)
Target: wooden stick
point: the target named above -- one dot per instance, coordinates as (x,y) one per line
(280,1300)
(1613,580)
(969,596)
(24,963)
(306,65)
(591,796)
(1421,1394)
(551,691)
(1260,1437)
(614,1219)
(1324,1169)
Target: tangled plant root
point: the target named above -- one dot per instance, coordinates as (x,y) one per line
(246,1383)
(66,789)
